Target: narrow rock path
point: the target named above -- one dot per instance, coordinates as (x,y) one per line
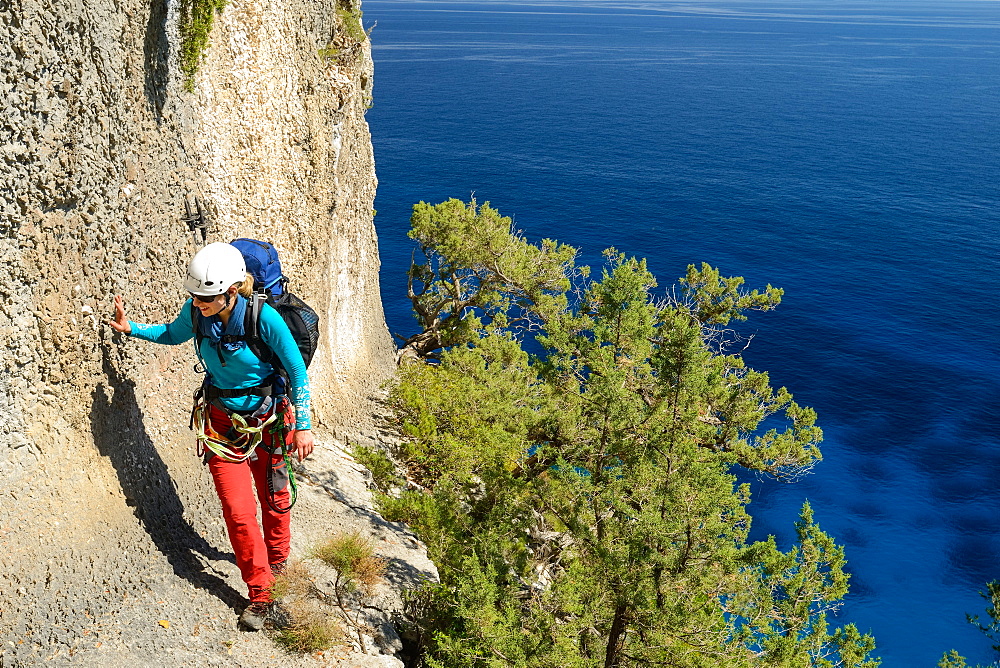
(185,621)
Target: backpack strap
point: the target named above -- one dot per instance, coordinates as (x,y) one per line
(251,328)
(199,337)
(251,331)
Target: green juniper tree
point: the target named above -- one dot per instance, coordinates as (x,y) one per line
(580,501)
(952,659)
(473,265)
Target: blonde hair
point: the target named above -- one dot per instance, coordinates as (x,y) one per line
(246,287)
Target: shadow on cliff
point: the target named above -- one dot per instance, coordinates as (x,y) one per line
(154,51)
(117,424)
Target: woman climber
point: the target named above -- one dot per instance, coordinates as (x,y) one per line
(244,418)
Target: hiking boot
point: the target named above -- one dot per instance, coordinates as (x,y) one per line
(255,614)
(279,568)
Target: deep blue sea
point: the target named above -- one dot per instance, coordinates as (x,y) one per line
(848,152)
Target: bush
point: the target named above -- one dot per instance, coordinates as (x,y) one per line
(310,629)
(303,622)
(382,468)
(350,23)
(353,557)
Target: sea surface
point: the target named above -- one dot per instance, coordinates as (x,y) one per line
(848,152)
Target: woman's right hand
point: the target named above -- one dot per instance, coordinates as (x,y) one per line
(120,323)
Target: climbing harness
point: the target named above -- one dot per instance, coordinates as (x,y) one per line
(232,447)
(240,442)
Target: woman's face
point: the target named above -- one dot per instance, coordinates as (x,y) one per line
(214,305)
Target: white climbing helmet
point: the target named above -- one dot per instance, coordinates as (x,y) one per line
(214,268)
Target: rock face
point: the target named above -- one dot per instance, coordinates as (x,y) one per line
(108,523)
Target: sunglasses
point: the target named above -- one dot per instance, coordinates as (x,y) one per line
(203,299)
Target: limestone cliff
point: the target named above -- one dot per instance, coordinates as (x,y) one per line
(107,517)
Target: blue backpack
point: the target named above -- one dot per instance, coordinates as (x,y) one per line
(263,264)
(271,287)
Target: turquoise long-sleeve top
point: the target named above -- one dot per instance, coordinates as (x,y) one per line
(243,369)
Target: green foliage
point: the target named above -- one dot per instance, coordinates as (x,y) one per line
(349,19)
(718,299)
(382,468)
(787,596)
(580,503)
(991,629)
(346,45)
(358,572)
(329,52)
(353,557)
(952,659)
(477,270)
(196,18)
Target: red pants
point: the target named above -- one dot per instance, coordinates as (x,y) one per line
(235,484)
